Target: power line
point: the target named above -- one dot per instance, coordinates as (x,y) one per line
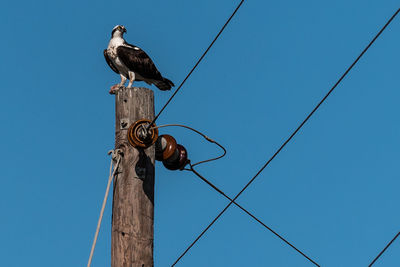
(198,62)
(380,254)
(201,134)
(294,133)
(248,213)
(220,191)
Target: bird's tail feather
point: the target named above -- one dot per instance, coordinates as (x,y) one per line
(164,84)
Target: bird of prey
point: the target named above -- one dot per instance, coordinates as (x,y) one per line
(132,63)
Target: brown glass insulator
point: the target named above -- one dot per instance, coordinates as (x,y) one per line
(179,159)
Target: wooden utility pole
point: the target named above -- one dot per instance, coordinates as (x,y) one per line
(133,199)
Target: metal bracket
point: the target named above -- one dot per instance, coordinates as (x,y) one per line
(123,125)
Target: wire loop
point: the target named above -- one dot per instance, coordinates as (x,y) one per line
(200,133)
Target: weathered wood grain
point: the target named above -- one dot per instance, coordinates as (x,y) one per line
(133,198)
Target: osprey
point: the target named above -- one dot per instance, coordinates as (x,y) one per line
(132,63)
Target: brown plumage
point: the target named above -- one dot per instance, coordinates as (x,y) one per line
(132,63)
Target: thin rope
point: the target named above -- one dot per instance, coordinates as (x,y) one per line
(110,178)
(198,62)
(200,133)
(294,133)
(380,254)
(250,214)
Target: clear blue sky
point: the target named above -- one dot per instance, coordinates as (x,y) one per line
(333,191)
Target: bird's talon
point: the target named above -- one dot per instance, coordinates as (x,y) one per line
(114,89)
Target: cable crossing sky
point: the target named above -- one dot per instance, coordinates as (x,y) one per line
(383,250)
(293,133)
(198,62)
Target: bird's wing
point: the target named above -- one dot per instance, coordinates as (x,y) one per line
(109,62)
(138,61)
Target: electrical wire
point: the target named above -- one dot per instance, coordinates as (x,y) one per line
(294,133)
(198,62)
(380,254)
(248,213)
(200,133)
(220,191)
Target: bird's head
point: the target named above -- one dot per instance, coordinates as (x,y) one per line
(118,30)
